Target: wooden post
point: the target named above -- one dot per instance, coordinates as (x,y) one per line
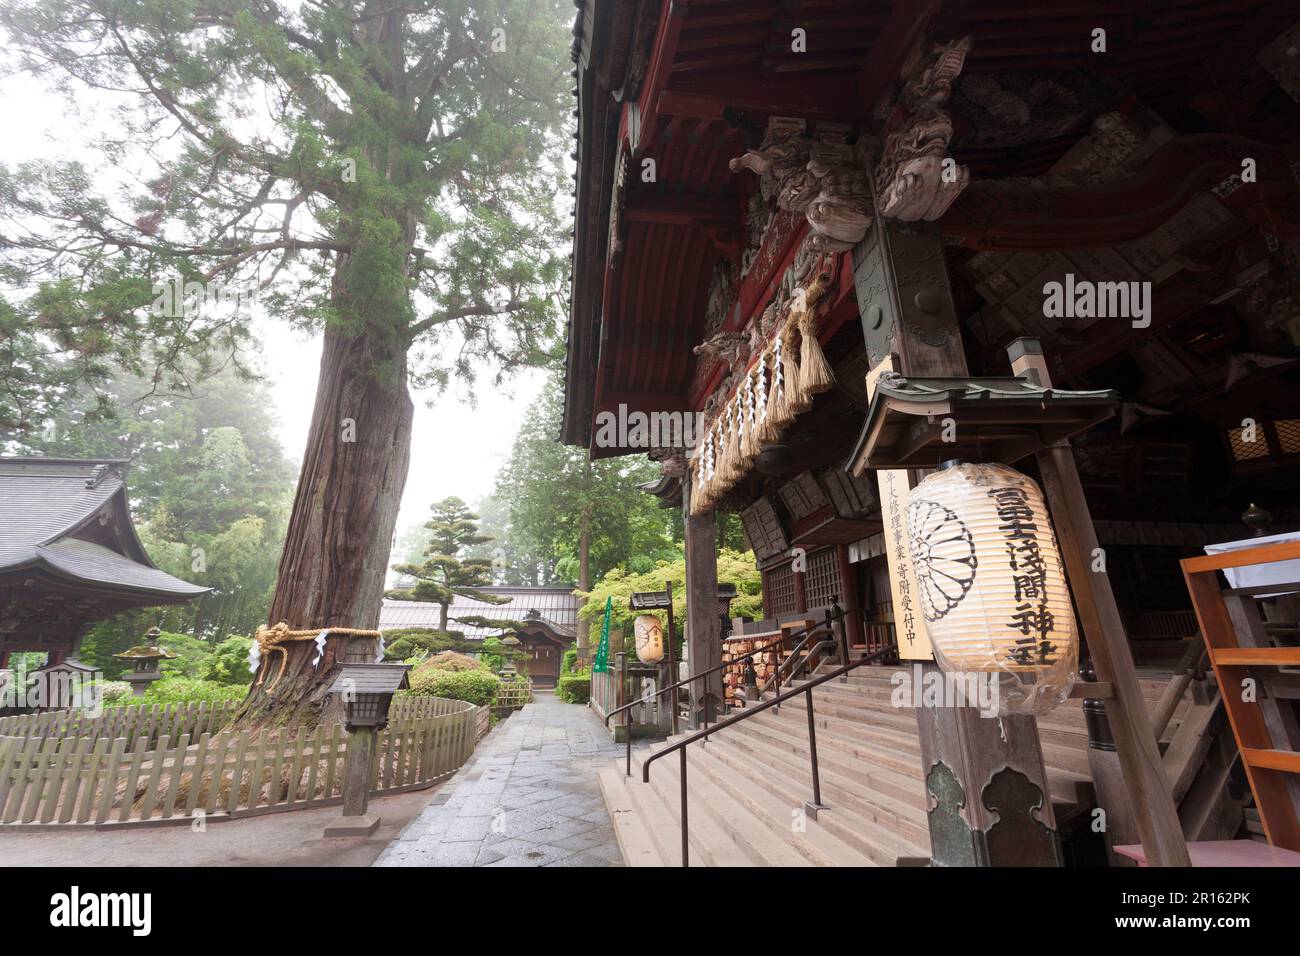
(355,820)
(1135,743)
(852,622)
(703,627)
(973,764)
(624,694)
(671,651)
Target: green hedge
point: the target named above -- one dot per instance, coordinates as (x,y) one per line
(184,690)
(574,688)
(475,687)
(451,661)
(568,661)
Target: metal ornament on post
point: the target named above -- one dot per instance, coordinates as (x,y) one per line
(367,691)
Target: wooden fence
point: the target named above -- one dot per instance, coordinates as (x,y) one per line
(513,696)
(148,765)
(622,683)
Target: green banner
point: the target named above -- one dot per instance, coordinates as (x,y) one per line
(601,663)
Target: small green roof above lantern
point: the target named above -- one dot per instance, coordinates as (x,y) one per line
(920,422)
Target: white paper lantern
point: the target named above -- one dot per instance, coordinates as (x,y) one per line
(993,591)
(649,633)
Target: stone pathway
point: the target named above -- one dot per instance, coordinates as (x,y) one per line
(528,797)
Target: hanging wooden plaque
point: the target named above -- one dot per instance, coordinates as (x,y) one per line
(895,489)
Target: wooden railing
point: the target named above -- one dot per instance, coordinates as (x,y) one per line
(153,764)
(605,691)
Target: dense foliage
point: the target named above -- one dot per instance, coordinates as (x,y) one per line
(183,690)
(450,661)
(475,686)
(210,488)
(734,567)
(556,494)
(574,688)
(410,154)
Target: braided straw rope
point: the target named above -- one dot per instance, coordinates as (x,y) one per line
(269,639)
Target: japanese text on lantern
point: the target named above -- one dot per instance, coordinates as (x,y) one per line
(1031,618)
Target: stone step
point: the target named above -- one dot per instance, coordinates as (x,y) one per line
(867,768)
(867,836)
(1068,775)
(730,833)
(814,842)
(878,712)
(880,697)
(634,840)
(898,803)
(878,682)
(661,823)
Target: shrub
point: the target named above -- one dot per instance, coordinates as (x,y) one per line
(191,652)
(568,661)
(476,687)
(451,661)
(115,692)
(228,662)
(184,690)
(574,688)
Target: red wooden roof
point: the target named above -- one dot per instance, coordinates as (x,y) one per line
(690,85)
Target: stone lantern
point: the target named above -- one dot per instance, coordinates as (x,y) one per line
(508,670)
(367,691)
(145,659)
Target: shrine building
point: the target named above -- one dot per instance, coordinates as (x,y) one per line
(893,260)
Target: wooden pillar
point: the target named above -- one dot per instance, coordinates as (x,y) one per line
(1112,660)
(985,776)
(703,626)
(358,762)
(849,596)
(800,590)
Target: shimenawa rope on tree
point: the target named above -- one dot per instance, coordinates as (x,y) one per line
(270,639)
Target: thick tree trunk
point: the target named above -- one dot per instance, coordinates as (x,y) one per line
(442,616)
(340,532)
(584,584)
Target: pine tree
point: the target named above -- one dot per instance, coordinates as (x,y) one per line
(443,573)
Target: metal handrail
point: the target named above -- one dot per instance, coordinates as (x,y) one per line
(834,613)
(748,712)
(796,661)
(801,664)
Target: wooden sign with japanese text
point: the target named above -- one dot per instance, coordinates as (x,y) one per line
(895,489)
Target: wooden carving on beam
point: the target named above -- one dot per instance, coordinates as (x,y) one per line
(824,179)
(729,347)
(915,178)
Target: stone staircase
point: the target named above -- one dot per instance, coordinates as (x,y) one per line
(748,784)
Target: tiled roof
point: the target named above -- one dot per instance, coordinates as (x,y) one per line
(555,607)
(46,502)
